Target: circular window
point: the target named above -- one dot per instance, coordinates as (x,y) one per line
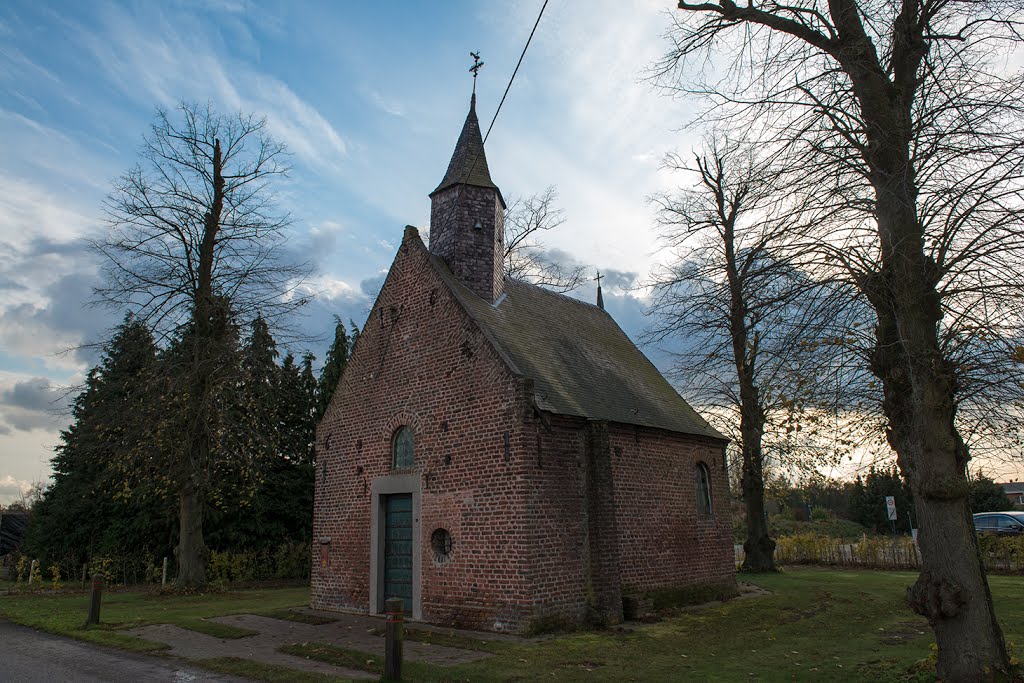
(441,544)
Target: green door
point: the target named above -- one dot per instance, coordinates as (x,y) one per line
(398,548)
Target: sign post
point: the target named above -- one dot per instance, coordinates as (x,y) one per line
(890,510)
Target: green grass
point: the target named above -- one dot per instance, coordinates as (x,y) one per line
(337,656)
(257,671)
(216,629)
(815,624)
(299,617)
(64,613)
(364,661)
(452,639)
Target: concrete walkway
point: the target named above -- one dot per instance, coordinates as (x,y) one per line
(350,631)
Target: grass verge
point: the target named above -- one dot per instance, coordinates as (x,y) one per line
(451,639)
(813,624)
(336,656)
(257,671)
(64,613)
(365,661)
(298,617)
(216,629)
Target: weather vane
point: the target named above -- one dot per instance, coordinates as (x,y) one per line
(477,65)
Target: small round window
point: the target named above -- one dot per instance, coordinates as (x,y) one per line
(441,545)
(402,449)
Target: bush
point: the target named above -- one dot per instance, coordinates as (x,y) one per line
(287,561)
(879,552)
(1004,554)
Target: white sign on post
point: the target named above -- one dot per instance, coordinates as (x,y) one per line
(890,507)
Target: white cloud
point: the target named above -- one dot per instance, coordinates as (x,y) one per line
(151,58)
(12,489)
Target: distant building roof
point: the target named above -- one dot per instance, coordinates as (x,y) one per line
(582,364)
(469,162)
(12,528)
(1013,487)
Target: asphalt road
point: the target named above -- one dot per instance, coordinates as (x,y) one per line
(29,656)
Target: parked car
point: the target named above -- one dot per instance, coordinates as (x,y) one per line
(1000,523)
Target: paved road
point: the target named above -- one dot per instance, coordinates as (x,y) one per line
(29,656)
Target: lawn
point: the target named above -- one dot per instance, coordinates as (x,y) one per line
(816,624)
(65,613)
(813,624)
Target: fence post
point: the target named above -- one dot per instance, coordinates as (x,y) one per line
(95,594)
(393,640)
(32,571)
(163,581)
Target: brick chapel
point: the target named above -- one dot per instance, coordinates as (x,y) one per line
(501,456)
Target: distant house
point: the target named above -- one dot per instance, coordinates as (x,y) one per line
(13,524)
(1014,491)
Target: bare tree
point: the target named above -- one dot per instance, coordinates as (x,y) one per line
(757,332)
(194,246)
(526,258)
(910,136)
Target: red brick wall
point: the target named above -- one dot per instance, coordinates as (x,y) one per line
(421,361)
(663,541)
(558,521)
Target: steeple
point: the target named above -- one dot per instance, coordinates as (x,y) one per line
(467,215)
(468,165)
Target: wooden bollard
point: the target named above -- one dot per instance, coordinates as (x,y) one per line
(163,581)
(95,594)
(32,571)
(393,639)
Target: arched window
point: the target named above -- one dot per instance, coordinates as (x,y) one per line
(703,490)
(402,449)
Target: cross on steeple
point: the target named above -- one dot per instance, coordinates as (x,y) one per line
(600,297)
(475,69)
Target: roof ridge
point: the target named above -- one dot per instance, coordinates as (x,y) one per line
(561,295)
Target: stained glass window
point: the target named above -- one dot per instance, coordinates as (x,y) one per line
(402,449)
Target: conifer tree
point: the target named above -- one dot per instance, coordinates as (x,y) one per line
(88,509)
(334,365)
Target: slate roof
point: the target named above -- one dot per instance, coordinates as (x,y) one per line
(1013,487)
(469,162)
(582,364)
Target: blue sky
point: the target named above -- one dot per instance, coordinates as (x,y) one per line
(369,99)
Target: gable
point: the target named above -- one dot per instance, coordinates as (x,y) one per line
(581,362)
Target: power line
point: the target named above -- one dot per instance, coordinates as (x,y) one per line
(469,172)
(516,71)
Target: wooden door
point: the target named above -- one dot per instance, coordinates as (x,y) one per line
(398,548)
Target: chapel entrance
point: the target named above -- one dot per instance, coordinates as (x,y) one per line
(398,548)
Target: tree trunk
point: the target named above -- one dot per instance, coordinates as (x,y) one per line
(918,381)
(759,548)
(919,402)
(191,553)
(952,590)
